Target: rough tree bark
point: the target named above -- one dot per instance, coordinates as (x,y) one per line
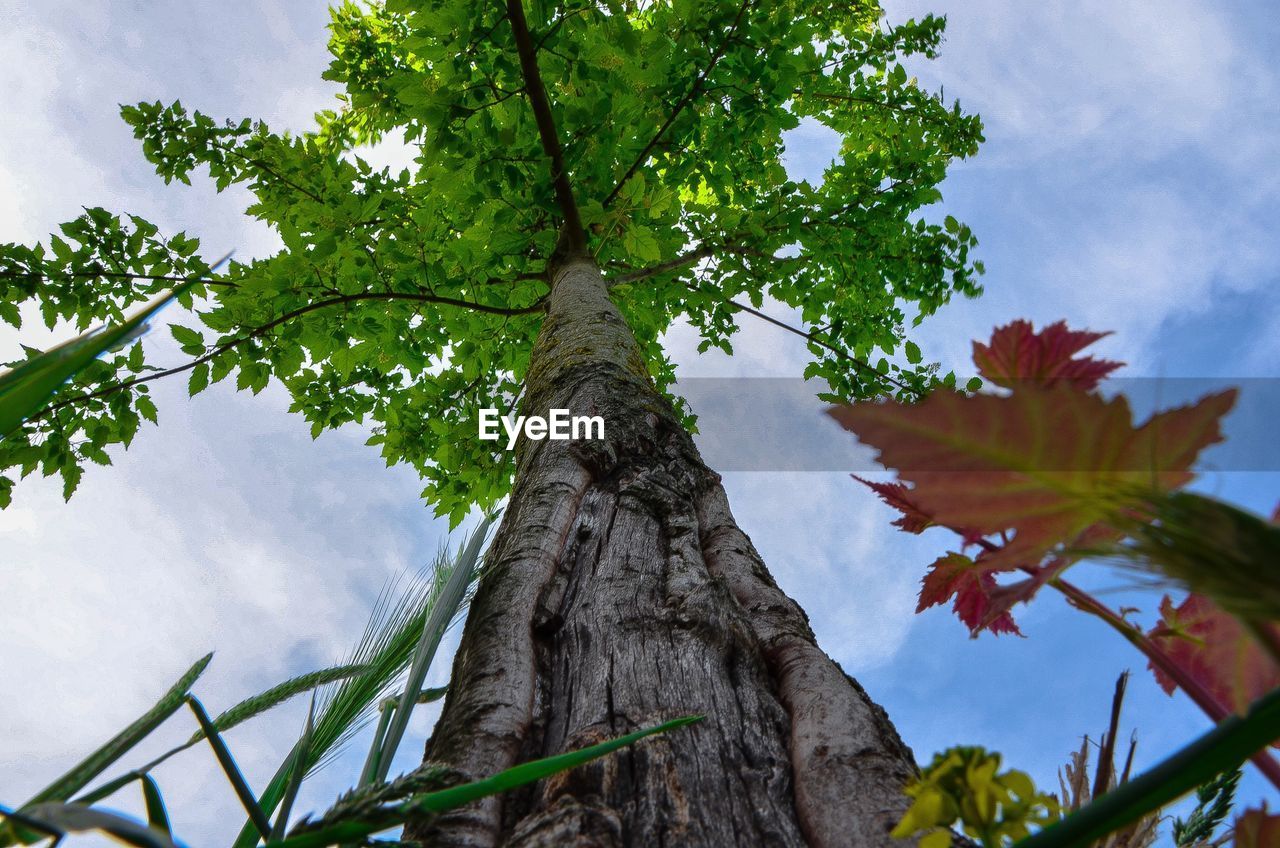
(620,592)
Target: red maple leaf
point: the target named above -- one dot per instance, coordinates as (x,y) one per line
(1212,647)
(973,586)
(1017,353)
(1041,469)
(1041,464)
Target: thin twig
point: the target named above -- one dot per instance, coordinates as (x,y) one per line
(271,325)
(160,278)
(818,341)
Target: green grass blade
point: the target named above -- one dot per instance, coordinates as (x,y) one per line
(77,818)
(375,747)
(229,767)
(93,765)
(443,612)
(109,788)
(241,712)
(1224,748)
(278,694)
(157,815)
(295,779)
(519,775)
(17,828)
(25,389)
(457,796)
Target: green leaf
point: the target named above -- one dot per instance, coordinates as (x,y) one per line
(199,379)
(913,353)
(147,409)
(641,242)
(191,341)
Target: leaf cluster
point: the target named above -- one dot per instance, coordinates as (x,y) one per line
(407,301)
(964,786)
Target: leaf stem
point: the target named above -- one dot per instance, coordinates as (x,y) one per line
(1218,713)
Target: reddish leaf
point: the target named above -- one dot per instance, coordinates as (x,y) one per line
(1039,463)
(1257,829)
(898,496)
(1018,353)
(971,584)
(1003,597)
(1275,516)
(1170,441)
(1213,648)
(943,579)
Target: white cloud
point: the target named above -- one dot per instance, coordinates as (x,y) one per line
(1061,74)
(833,550)
(227,528)
(1128,177)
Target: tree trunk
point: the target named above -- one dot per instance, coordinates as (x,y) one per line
(619,592)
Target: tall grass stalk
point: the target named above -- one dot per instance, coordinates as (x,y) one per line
(461,575)
(386,648)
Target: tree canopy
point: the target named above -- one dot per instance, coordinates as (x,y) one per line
(410,300)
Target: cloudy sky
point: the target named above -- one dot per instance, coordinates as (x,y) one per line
(1129,182)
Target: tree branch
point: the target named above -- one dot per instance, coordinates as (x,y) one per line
(689,257)
(682,261)
(864,101)
(262,166)
(574,233)
(818,340)
(706,251)
(160,278)
(271,325)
